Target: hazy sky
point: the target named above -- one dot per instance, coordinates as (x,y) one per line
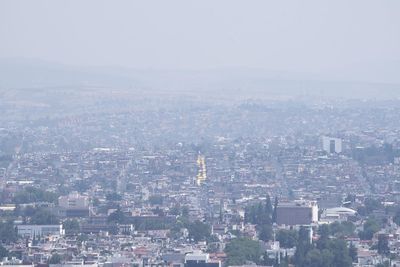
(304,36)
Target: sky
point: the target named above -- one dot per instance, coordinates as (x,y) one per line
(359,38)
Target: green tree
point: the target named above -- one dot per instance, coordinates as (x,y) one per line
(114,197)
(323,241)
(327,258)
(268,205)
(71,226)
(43,216)
(287,238)
(96,202)
(384,264)
(383,245)
(55,259)
(303,247)
(370,205)
(346,229)
(258,214)
(156,199)
(81,238)
(8,234)
(199,231)
(327,252)
(240,250)
(176,210)
(396,217)
(341,253)
(265,232)
(31,194)
(353,253)
(313,258)
(117,216)
(275,208)
(185,212)
(370,227)
(3,252)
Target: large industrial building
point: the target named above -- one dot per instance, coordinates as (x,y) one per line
(331,144)
(297,213)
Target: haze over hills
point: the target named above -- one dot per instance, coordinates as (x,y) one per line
(239,83)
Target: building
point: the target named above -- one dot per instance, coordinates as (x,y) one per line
(73,201)
(331,144)
(31,231)
(336,214)
(199,259)
(302,213)
(74,205)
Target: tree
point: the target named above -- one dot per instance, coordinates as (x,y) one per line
(114,197)
(185,212)
(287,238)
(267,261)
(96,202)
(303,247)
(353,252)
(313,258)
(8,234)
(81,238)
(341,253)
(275,208)
(55,259)
(328,251)
(156,200)
(396,217)
(240,250)
(268,205)
(323,241)
(42,217)
(384,264)
(221,216)
(258,214)
(350,198)
(327,258)
(284,261)
(383,245)
(371,205)
(117,216)
(198,231)
(71,226)
(31,194)
(342,229)
(3,252)
(265,233)
(370,227)
(176,210)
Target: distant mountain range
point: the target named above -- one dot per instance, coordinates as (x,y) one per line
(30,74)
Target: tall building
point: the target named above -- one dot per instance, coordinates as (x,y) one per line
(74,205)
(331,144)
(202,174)
(303,213)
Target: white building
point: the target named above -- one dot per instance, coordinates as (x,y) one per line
(25,230)
(331,144)
(73,201)
(336,214)
(197,256)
